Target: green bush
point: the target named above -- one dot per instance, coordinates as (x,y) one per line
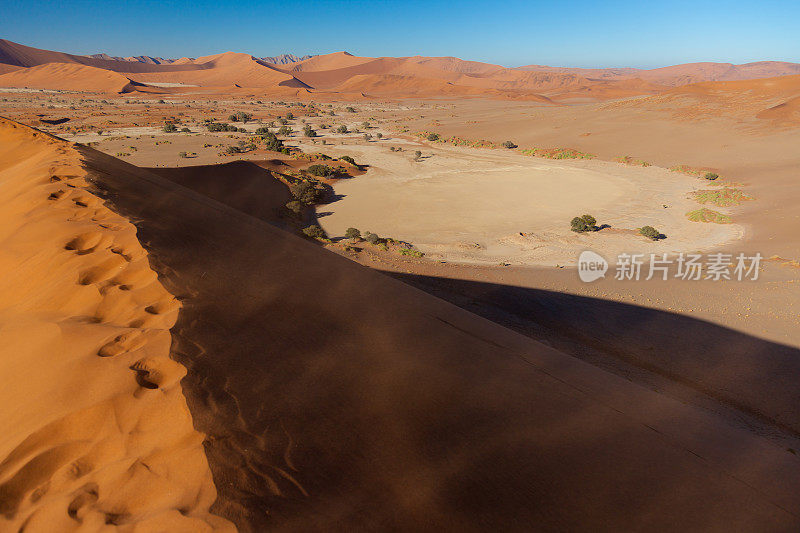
(169,127)
(241,116)
(372,238)
(308,131)
(262,130)
(220,126)
(349,160)
(342,129)
(583,224)
(650,232)
(271,142)
(295,207)
(306,192)
(315,232)
(711,176)
(285,130)
(352,233)
(509,144)
(321,171)
(433,137)
(578,225)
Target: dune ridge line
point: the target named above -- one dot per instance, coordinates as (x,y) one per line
(98,433)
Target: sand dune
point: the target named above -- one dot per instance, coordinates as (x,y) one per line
(683,74)
(773,99)
(69,77)
(342,71)
(96,432)
(228,69)
(328,411)
(333,61)
(26,56)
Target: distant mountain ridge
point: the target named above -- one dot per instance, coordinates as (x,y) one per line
(282,59)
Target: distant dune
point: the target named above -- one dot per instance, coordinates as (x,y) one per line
(67,76)
(684,74)
(343,73)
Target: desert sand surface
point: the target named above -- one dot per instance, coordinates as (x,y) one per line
(181,354)
(96,433)
(491,206)
(447,420)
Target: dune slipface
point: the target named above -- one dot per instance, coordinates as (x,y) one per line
(96,433)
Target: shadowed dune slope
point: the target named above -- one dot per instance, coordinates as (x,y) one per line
(242,184)
(338,399)
(95,433)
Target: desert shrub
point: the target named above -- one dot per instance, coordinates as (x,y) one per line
(348,159)
(433,137)
(417,155)
(282,121)
(186,130)
(169,127)
(314,231)
(320,170)
(271,142)
(285,130)
(583,224)
(289,116)
(711,176)
(365,125)
(308,131)
(578,225)
(509,144)
(295,207)
(240,116)
(341,129)
(412,253)
(367,137)
(262,130)
(379,135)
(650,232)
(220,126)
(183,154)
(306,192)
(352,233)
(371,238)
(350,109)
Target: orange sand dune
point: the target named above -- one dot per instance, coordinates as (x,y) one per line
(683,74)
(225,69)
(26,56)
(339,399)
(401,86)
(95,429)
(67,76)
(329,62)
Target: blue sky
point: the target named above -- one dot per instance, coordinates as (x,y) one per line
(511,33)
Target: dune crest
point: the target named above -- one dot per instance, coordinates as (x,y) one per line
(97,431)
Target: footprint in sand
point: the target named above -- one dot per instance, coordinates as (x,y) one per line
(89,242)
(158,372)
(103,271)
(84,497)
(124,343)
